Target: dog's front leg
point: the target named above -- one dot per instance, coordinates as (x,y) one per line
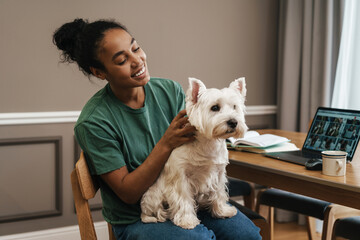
(182,205)
(220,207)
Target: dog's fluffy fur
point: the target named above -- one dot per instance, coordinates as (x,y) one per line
(194,175)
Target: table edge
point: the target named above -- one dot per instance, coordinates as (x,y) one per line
(301,177)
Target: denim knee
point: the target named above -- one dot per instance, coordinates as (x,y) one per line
(234,228)
(165,231)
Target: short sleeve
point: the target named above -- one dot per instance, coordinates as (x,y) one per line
(101,147)
(180,97)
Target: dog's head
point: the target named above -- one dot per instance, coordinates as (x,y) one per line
(217,113)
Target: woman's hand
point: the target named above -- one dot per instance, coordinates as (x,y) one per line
(179,132)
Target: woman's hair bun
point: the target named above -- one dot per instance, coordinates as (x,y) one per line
(67,38)
(80,42)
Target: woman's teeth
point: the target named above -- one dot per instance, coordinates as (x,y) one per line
(141,72)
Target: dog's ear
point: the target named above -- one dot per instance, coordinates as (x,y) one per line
(196,88)
(239,85)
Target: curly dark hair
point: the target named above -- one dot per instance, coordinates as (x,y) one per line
(79,42)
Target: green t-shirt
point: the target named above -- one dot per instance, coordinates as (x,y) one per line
(113,135)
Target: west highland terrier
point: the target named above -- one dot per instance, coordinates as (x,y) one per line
(195,175)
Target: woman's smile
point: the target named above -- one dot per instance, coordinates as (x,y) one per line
(140,73)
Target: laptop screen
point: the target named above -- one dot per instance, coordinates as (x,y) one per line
(334,129)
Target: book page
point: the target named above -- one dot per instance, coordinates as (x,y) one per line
(248,134)
(264,140)
(282,147)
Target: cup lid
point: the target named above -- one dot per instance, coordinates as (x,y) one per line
(334,153)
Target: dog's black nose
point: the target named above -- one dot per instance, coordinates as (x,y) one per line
(232,123)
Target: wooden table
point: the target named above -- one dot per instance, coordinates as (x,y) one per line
(295,178)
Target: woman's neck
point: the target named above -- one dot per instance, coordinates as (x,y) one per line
(134,97)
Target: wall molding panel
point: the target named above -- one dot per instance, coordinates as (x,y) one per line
(50,145)
(260,110)
(25,118)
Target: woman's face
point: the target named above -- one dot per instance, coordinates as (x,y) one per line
(123,59)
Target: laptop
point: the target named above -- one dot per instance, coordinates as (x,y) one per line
(331,129)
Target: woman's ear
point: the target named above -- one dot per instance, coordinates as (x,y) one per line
(98,73)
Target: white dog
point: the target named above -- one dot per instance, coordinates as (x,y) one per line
(195,175)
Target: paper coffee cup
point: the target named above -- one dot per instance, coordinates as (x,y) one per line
(334,163)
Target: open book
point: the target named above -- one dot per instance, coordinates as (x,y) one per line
(266,143)
(254,139)
(282,147)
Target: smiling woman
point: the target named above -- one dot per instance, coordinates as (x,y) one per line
(107,51)
(129,128)
(124,66)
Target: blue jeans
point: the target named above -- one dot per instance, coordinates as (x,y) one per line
(237,227)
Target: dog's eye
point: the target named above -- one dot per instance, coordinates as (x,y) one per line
(215,108)
(234,106)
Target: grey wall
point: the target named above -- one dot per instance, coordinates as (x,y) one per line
(216,41)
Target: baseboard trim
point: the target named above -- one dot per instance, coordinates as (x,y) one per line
(26,118)
(68,233)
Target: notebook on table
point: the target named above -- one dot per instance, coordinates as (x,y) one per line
(331,129)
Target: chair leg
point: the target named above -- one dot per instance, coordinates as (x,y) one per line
(267,212)
(85,222)
(249,200)
(271,222)
(311,228)
(264,228)
(111,233)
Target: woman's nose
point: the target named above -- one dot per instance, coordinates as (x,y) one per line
(136,61)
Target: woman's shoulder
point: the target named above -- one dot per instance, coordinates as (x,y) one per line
(95,106)
(156,81)
(165,86)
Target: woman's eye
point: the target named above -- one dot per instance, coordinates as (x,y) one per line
(136,49)
(122,62)
(215,108)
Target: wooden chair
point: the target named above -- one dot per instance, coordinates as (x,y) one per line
(312,208)
(244,189)
(84,188)
(347,228)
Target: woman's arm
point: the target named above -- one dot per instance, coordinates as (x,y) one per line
(130,187)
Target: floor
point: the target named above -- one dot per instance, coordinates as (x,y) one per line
(285,231)
(293,231)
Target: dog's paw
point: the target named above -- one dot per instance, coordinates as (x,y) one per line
(187,221)
(225,211)
(148,219)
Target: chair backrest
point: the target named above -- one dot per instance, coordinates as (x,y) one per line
(83,188)
(347,228)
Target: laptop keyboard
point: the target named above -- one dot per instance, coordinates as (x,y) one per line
(306,154)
